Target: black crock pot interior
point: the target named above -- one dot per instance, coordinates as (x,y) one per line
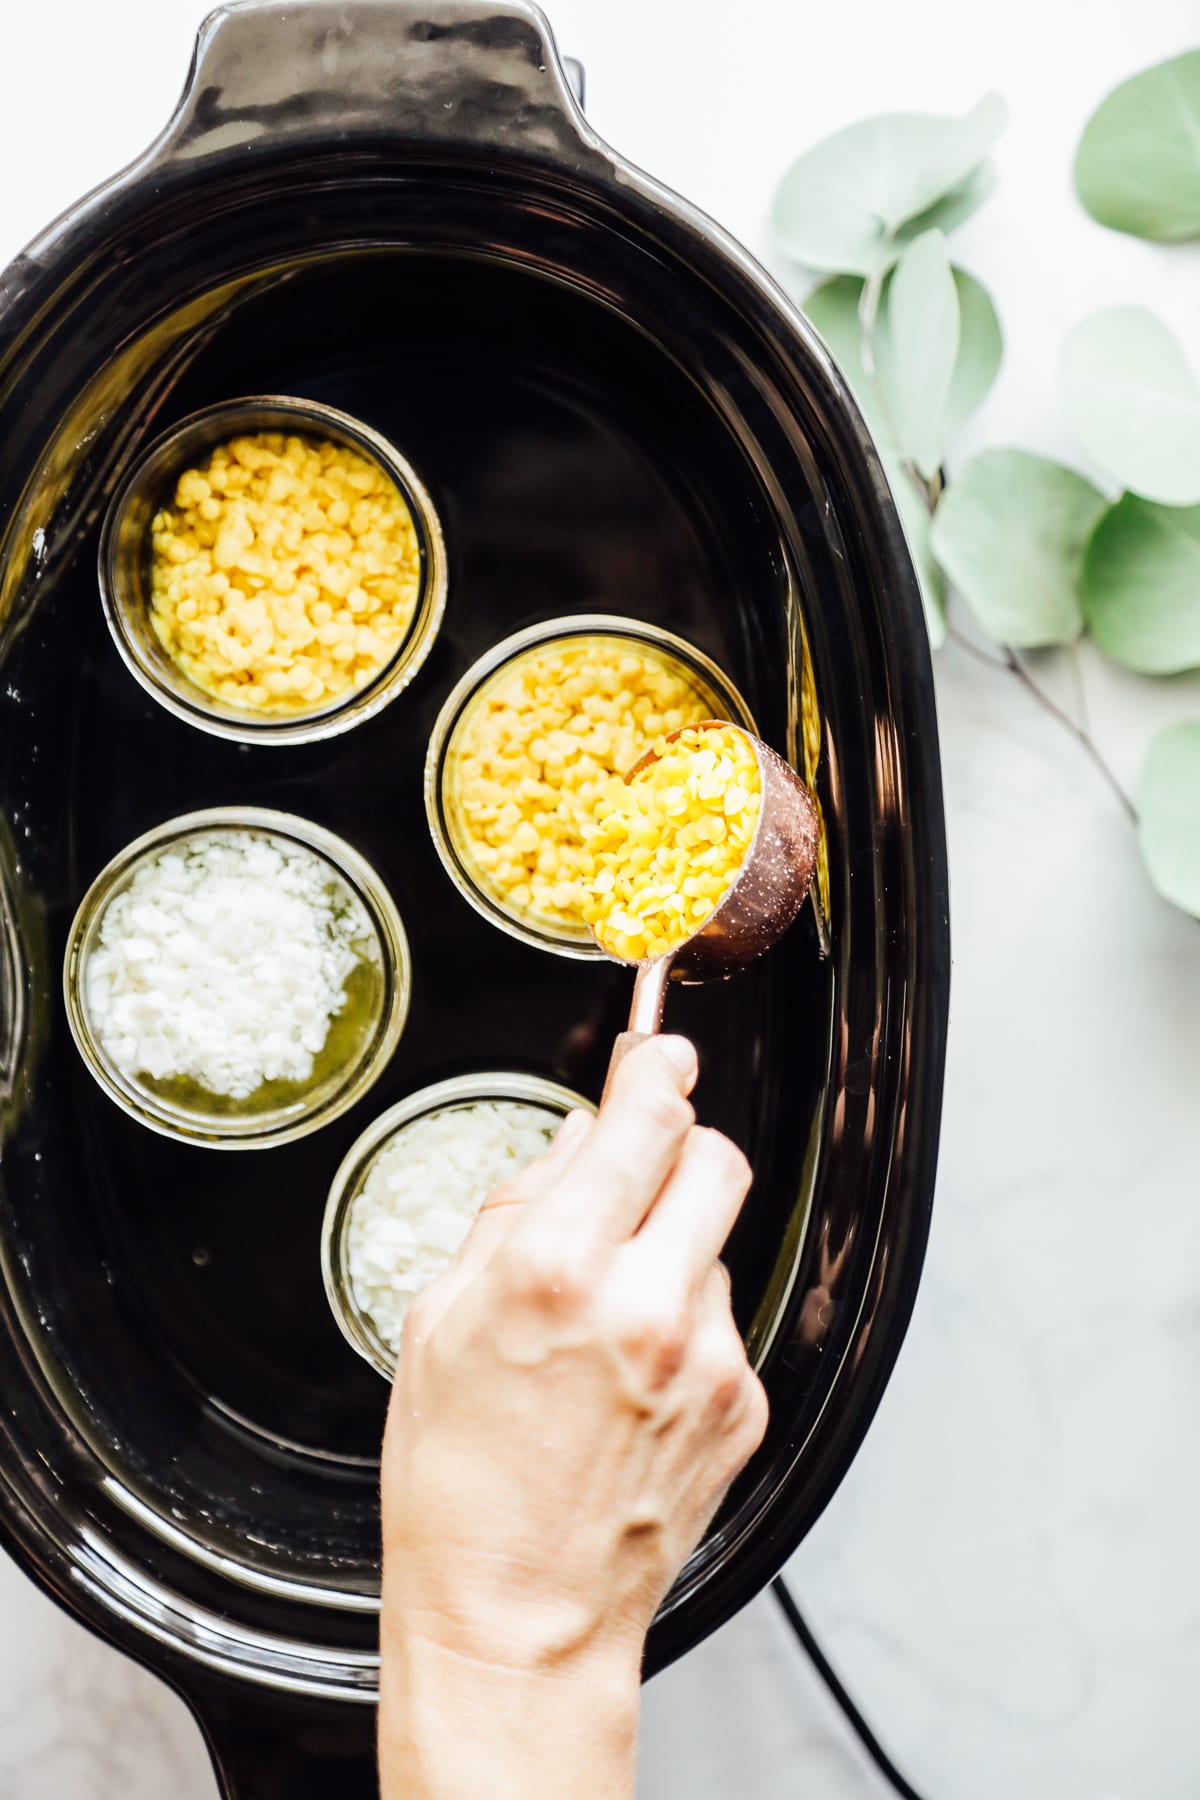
(611,416)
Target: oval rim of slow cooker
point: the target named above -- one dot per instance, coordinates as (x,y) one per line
(777,320)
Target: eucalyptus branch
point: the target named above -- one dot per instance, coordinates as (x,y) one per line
(1010,664)
(976,650)
(1079,732)
(1020,536)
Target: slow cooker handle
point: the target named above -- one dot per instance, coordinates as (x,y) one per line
(452,74)
(267,1745)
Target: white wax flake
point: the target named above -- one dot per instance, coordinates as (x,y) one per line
(422,1193)
(224,962)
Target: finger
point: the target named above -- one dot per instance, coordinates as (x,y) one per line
(615,1175)
(718,1340)
(510,1200)
(714,1295)
(736,1394)
(534,1179)
(502,1208)
(697,1207)
(713,1300)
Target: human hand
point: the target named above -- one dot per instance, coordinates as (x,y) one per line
(572,1400)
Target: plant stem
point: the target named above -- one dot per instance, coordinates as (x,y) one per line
(1010,663)
(1079,732)
(972,649)
(1081,700)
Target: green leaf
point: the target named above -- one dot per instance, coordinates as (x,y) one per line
(842,203)
(914,516)
(1137,168)
(1010,532)
(980,348)
(833,309)
(1141,586)
(947,213)
(922,329)
(1168,806)
(1133,400)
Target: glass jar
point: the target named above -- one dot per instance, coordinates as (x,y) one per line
(125,564)
(461,1091)
(711,685)
(362,1036)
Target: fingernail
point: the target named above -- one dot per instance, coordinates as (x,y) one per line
(679,1052)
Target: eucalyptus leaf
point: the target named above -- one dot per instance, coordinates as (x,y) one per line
(1137,168)
(833,309)
(947,213)
(842,206)
(1168,805)
(1141,585)
(963,146)
(980,349)
(922,329)
(1135,403)
(914,516)
(1010,532)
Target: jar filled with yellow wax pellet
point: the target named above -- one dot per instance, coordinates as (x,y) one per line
(273,570)
(669,843)
(284,571)
(531,740)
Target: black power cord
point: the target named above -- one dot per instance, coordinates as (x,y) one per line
(829,1676)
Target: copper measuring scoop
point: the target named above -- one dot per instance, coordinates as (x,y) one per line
(765,896)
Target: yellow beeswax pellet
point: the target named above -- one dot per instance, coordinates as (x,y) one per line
(698,804)
(256,572)
(540,753)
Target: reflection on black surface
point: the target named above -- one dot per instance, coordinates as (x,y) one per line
(23,977)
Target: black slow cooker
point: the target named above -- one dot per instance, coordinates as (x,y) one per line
(399,209)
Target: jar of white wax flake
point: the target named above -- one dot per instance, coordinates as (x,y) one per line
(237,977)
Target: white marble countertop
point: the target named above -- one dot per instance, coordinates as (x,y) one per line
(1008,1580)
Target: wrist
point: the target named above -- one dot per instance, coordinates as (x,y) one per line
(500,1713)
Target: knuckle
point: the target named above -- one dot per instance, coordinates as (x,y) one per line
(723,1370)
(757,1415)
(656,1337)
(725,1388)
(548,1272)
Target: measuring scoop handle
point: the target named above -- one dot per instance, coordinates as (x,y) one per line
(628,1040)
(645,1013)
